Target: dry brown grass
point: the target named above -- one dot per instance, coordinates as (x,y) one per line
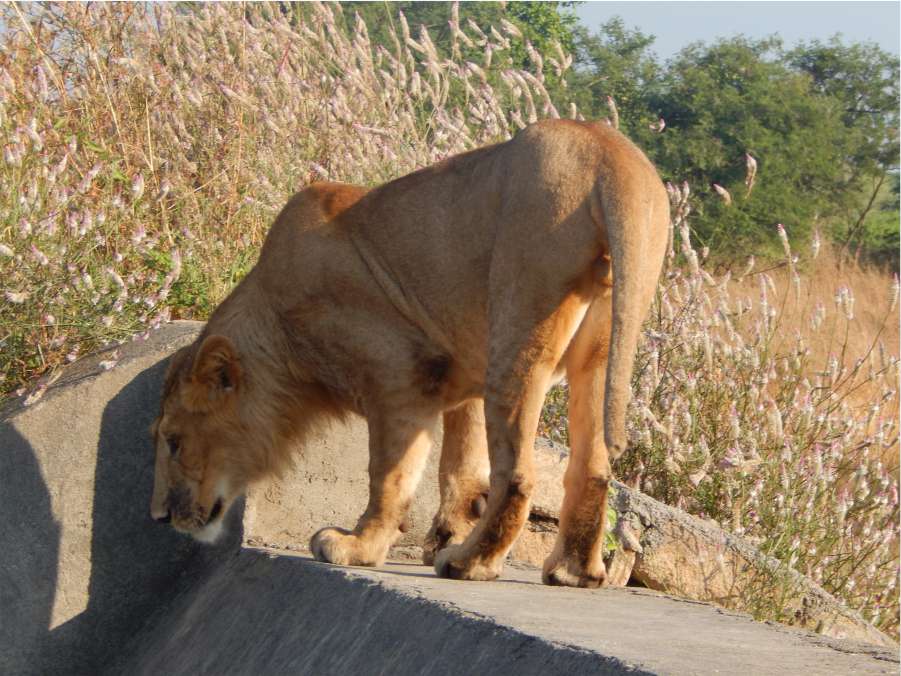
(876,327)
(819,283)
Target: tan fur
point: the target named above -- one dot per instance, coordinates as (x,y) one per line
(461,290)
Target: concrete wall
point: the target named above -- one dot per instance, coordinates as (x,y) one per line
(81,563)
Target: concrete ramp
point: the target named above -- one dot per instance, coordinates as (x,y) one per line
(89,584)
(276,613)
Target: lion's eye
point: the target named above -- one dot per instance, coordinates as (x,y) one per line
(173,444)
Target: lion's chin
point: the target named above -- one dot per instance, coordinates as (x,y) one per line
(210,533)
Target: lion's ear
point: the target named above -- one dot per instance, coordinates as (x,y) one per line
(216,372)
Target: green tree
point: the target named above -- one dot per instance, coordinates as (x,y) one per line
(740,96)
(862,80)
(880,239)
(615,62)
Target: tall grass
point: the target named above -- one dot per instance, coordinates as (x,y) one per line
(776,414)
(146,149)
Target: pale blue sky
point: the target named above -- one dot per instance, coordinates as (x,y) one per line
(677,24)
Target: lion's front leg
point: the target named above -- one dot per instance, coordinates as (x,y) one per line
(462,478)
(398,448)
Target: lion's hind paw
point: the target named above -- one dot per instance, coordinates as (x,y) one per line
(564,574)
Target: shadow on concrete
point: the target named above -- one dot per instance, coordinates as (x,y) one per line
(29,552)
(262,613)
(137,565)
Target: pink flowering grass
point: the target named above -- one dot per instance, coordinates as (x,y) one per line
(147,148)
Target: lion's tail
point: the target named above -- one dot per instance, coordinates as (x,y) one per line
(637,239)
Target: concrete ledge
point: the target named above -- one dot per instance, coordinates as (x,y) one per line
(83,569)
(266,612)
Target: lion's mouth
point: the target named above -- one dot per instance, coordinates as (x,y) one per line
(193,519)
(216,511)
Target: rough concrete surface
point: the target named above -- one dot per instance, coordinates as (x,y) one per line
(275,613)
(83,569)
(697,559)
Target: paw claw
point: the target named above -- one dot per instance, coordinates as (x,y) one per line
(432,547)
(445,567)
(437,539)
(442,563)
(451,572)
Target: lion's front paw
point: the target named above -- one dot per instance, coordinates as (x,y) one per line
(341,547)
(569,572)
(452,562)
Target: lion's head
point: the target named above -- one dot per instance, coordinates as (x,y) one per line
(200,440)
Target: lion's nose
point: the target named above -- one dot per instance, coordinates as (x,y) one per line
(165,518)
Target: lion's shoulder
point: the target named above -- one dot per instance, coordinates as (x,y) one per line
(330,197)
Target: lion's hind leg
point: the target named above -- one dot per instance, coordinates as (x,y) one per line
(462,478)
(399,446)
(577,558)
(531,336)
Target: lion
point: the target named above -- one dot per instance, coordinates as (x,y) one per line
(463,290)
